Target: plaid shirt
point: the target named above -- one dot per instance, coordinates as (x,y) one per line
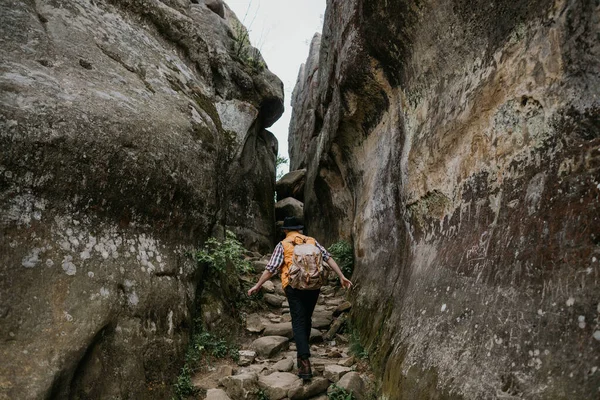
(276,260)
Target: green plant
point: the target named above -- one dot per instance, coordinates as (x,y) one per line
(279,163)
(205,343)
(339,393)
(262,395)
(183,386)
(218,254)
(242,48)
(204,346)
(343,254)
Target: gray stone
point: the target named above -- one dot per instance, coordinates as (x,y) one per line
(342,307)
(242,386)
(335,372)
(408,209)
(254,324)
(321,320)
(289,207)
(285,365)
(216,6)
(319,363)
(335,327)
(347,362)
(216,394)
(316,336)
(269,346)
(246,357)
(268,287)
(273,299)
(354,384)
(280,329)
(259,265)
(291,185)
(278,288)
(278,384)
(313,388)
(115,163)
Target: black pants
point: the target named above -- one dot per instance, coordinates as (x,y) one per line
(302,304)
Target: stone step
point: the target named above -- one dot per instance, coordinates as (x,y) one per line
(217,394)
(269,346)
(280,329)
(278,384)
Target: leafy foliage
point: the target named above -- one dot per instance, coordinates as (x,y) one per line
(343,254)
(243,50)
(356,346)
(183,386)
(218,255)
(207,344)
(339,393)
(262,395)
(280,162)
(204,346)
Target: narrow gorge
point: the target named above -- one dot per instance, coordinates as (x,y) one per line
(455,146)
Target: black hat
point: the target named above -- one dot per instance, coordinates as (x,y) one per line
(291,224)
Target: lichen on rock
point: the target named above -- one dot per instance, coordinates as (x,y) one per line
(465,190)
(117,161)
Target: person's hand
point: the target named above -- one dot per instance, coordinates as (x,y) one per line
(346,284)
(253,290)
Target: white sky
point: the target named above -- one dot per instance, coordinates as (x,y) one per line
(282,31)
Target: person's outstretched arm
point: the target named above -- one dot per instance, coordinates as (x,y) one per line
(346,283)
(271,269)
(331,262)
(266,275)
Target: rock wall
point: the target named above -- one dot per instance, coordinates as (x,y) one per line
(460,151)
(127,130)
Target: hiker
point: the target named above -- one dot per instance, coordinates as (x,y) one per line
(301,290)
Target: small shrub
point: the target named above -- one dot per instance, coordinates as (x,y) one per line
(243,50)
(339,393)
(205,343)
(202,347)
(343,254)
(279,163)
(219,254)
(183,386)
(262,395)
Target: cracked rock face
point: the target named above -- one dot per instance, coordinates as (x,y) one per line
(458,145)
(129,130)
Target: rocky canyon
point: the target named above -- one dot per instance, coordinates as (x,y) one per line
(455,145)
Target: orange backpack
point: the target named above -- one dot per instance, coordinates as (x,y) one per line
(306,271)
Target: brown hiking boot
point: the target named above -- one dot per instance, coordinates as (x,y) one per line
(304,370)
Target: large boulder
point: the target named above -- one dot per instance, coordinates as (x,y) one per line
(217,394)
(457,145)
(270,346)
(279,329)
(353,383)
(289,207)
(129,132)
(243,386)
(278,384)
(291,185)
